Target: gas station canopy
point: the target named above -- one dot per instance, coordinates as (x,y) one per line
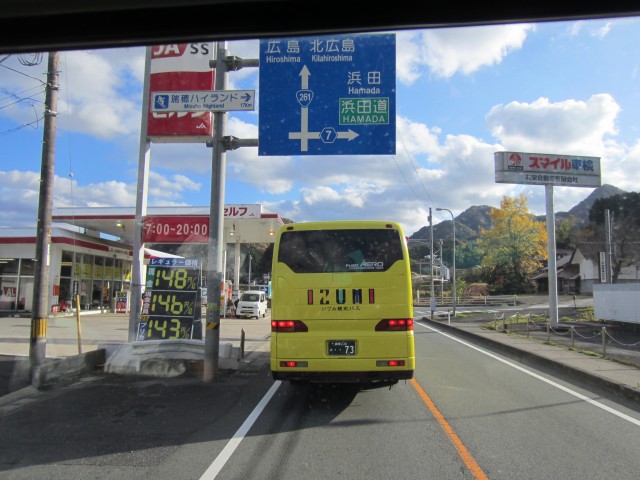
(244,223)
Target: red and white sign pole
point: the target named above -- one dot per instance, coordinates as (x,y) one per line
(167,67)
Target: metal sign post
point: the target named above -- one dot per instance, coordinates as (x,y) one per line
(548,169)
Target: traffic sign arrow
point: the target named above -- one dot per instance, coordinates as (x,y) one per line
(203,101)
(327,88)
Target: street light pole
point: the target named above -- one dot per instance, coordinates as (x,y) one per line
(453,223)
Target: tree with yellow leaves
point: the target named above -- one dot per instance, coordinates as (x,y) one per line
(513,248)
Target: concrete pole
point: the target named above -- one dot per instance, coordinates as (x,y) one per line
(441,277)
(608,257)
(38,337)
(455,291)
(432,302)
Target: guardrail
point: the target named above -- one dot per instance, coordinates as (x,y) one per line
(470,301)
(616,342)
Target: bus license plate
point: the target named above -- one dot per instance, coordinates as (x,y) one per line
(341,347)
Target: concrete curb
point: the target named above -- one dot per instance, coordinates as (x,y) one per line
(166,358)
(54,372)
(59,371)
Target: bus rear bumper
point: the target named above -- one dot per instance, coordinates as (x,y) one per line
(344,377)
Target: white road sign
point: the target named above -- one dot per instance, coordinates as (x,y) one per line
(547,169)
(203,101)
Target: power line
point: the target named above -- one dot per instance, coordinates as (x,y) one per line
(412,162)
(24,125)
(37,59)
(22,73)
(19,97)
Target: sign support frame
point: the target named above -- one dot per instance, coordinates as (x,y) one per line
(551,254)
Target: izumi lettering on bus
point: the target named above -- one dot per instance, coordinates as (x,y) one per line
(324,296)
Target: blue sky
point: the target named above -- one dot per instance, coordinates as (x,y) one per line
(462,94)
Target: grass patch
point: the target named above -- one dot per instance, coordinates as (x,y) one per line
(587,314)
(590,353)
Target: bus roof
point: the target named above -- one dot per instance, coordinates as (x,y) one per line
(341,225)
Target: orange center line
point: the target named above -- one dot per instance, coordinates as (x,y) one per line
(467,458)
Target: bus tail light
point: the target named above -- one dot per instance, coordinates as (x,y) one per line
(288,326)
(293,364)
(394,325)
(389,363)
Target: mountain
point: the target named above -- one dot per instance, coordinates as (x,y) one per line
(473,219)
(580,212)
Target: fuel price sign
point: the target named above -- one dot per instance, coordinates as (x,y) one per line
(180,279)
(171,302)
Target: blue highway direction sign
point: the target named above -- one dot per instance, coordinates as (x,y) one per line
(328,95)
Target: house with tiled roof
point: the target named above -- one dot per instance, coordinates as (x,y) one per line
(587,257)
(567,274)
(579,270)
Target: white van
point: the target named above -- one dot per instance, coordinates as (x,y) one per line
(252,303)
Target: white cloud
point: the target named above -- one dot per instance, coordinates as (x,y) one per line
(192,158)
(602,31)
(620,168)
(433,167)
(92,98)
(448,51)
(20,191)
(569,126)
(169,189)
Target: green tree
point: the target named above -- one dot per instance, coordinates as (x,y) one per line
(513,248)
(264,264)
(564,232)
(467,255)
(624,210)
(418,253)
(261,258)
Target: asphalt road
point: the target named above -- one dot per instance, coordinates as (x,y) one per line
(469,413)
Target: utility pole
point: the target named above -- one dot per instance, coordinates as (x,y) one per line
(607,248)
(432,302)
(441,278)
(38,337)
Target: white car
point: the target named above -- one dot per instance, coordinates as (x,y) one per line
(252,303)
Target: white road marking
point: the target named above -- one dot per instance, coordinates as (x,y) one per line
(231,446)
(539,377)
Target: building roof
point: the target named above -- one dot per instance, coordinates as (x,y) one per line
(27,236)
(561,264)
(591,250)
(258,226)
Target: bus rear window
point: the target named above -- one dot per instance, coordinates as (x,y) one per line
(357,250)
